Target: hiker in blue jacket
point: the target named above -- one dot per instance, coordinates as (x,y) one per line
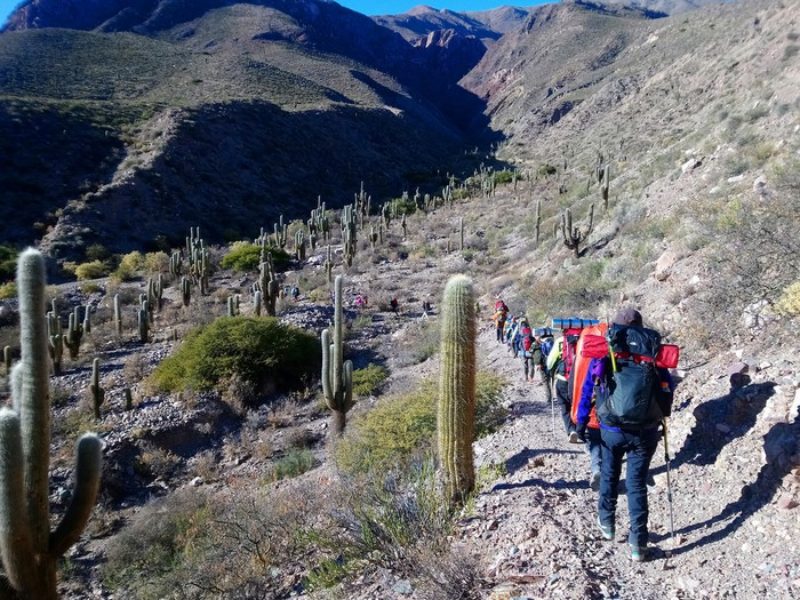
(639,443)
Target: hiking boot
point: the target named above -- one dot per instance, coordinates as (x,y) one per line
(573,437)
(607,531)
(639,553)
(594,482)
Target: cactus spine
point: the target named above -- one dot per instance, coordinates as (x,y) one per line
(98,393)
(337,374)
(456,410)
(28,548)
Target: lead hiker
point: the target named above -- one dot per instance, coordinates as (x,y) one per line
(634,395)
(499,318)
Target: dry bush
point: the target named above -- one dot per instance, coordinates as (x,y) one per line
(205,465)
(135,368)
(156,463)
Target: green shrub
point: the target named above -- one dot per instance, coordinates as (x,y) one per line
(91,270)
(263,351)
(156,262)
(296,462)
(8,263)
(404,206)
(97,252)
(503,177)
(129,266)
(403,427)
(8,290)
(368,380)
(244,256)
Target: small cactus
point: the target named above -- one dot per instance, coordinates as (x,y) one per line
(55,338)
(337,374)
(128,398)
(117,316)
(456,410)
(7,359)
(257,303)
(186,290)
(144,325)
(98,393)
(74,333)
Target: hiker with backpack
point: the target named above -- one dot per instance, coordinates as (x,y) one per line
(527,349)
(633,395)
(559,369)
(499,318)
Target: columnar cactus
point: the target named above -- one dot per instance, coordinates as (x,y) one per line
(7,359)
(300,245)
(98,393)
(604,186)
(155,291)
(231,306)
(268,285)
(461,233)
(257,303)
(74,333)
(55,339)
(128,398)
(176,264)
(337,374)
(329,265)
(144,325)
(87,321)
(574,236)
(186,290)
(404,226)
(117,316)
(538,219)
(456,410)
(28,548)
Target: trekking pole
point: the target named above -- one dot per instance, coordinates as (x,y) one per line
(669,488)
(552,405)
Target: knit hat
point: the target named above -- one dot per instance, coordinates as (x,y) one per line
(628,316)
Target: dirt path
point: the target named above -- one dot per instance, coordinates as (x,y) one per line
(534,528)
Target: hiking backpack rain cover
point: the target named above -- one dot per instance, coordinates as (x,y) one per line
(633,401)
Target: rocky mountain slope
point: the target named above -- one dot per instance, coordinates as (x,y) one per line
(147,97)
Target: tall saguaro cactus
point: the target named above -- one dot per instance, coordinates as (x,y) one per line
(28,548)
(456,410)
(337,373)
(575,236)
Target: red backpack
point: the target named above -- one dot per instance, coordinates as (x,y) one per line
(527,338)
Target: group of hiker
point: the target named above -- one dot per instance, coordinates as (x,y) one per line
(614,391)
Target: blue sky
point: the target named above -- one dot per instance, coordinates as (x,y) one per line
(369,7)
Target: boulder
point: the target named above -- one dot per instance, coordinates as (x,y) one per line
(664,265)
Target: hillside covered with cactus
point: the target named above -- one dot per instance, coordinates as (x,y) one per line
(275,232)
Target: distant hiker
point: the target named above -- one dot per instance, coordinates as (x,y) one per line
(633,397)
(510,330)
(394,305)
(499,318)
(296,293)
(359,301)
(527,349)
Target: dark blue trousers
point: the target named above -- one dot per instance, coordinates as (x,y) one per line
(640,447)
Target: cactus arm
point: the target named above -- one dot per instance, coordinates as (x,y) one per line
(34,404)
(326,368)
(347,383)
(15,535)
(88,466)
(338,339)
